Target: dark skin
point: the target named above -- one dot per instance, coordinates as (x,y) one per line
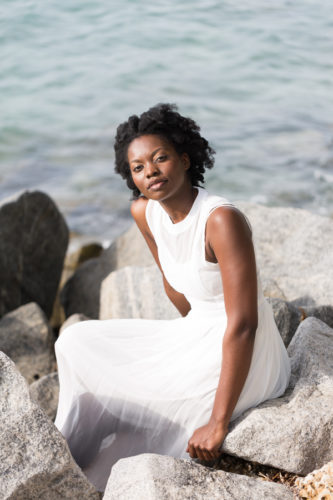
(160,173)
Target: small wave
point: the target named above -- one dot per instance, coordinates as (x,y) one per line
(323,176)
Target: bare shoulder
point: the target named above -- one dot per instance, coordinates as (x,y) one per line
(228,221)
(138,207)
(138,211)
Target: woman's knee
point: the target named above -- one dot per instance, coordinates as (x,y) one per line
(71,335)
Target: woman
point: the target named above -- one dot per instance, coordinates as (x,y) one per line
(172,387)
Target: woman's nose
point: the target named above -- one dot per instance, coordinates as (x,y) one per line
(151,169)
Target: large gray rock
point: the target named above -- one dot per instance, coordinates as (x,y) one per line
(45,392)
(135,292)
(35,462)
(157,477)
(81,293)
(26,337)
(271,289)
(34,238)
(294,248)
(287,318)
(294,432)
(324,313)
(72,261)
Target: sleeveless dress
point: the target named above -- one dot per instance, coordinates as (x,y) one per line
(130,386)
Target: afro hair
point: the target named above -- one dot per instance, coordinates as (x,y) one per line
(183,133)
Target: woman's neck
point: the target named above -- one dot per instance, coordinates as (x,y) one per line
(179,206)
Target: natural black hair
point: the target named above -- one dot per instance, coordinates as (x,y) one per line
(183,133)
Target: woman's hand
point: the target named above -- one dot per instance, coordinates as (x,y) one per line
(206,441)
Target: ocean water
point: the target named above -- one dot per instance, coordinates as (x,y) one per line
(257,76)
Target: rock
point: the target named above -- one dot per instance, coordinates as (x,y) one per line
(157,477)
(33,234)
(318,484)
(82,254)
(35,462)
(72,261)
(26,337)
(304,301)
(81,294)
(287,318)
(135,292)
(45,392)
(271,289)
(293,432)
(288,244)
(324,313)
(75,318)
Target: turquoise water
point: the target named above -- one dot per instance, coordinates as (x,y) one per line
(258,78)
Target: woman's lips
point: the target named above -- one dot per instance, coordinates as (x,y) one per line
(157,185)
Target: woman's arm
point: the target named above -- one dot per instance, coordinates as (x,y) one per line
(229,239)
(138,211)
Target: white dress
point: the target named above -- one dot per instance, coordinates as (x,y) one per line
(130,386)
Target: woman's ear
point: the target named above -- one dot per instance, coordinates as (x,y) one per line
(186,161)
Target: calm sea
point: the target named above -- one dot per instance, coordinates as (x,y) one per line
(256,75)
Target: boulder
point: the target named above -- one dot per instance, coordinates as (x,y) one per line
(34,238)
(135,292)
(271,289)
(287,318)
(293,432)
(45,392)
(81,293)
(304,301)
(26,337)
(35,461)
(72,261)
(288,244)
(85,252)
(157,477)
(318,484)
(324,313)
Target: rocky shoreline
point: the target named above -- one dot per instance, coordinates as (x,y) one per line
(43,290)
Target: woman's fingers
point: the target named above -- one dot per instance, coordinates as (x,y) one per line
(205,442)
(207,456)
(191,451)
(210,453)
(200,452)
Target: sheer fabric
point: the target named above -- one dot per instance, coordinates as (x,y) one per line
(130,386)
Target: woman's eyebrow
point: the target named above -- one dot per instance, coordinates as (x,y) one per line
(152,154)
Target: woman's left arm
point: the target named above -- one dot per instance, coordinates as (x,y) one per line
(229,238)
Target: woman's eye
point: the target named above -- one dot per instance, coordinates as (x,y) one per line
(137,168)
(161,158)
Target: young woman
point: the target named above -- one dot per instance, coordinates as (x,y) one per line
(171,387)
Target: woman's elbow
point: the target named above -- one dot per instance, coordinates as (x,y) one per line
(246,328)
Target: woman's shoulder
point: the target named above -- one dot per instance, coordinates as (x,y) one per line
(142,210)
(138,211)
(138,207)
(221,211)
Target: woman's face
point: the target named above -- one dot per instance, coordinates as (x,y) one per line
(158,171)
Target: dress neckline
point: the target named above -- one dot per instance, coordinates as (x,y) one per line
(183,224)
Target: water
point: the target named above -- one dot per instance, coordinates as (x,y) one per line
(257,77)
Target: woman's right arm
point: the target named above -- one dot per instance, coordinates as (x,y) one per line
(138,211)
